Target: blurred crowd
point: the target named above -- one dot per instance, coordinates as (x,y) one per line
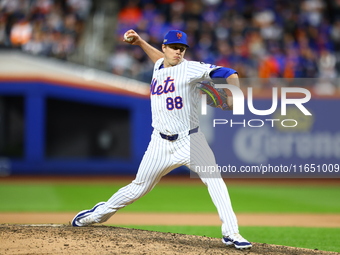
(258,38)
(262,38)
(43,27)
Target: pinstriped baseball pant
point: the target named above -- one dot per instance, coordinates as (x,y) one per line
(160,158)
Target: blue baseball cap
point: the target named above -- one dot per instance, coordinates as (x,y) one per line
(175,36)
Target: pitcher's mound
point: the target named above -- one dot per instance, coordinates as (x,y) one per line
(64,239)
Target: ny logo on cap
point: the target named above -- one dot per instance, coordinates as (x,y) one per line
(179,35)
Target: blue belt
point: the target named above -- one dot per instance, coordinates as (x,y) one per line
(175,137)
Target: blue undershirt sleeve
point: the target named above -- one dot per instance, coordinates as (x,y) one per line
(222,72)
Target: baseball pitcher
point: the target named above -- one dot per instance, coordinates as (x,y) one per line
(177,140)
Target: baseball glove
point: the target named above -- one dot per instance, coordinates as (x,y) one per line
(216,97)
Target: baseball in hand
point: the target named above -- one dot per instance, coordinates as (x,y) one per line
(128,39)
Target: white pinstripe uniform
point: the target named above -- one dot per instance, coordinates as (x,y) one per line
(174,104)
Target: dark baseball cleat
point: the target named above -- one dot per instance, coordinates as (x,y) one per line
(84,218)
(237,240)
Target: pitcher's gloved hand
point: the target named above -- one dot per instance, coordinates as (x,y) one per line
(216,97)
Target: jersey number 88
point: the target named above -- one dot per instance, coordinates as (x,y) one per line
(174,103)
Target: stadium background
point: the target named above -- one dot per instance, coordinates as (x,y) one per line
(74,97)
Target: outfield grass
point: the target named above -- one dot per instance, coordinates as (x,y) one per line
(326,239)
(170,198)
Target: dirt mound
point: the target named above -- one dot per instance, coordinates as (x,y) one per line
(64,239)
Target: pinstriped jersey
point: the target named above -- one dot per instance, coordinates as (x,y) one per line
(174,97)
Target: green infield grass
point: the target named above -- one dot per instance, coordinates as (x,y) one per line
(54,197)
(325,239)
(170,198)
